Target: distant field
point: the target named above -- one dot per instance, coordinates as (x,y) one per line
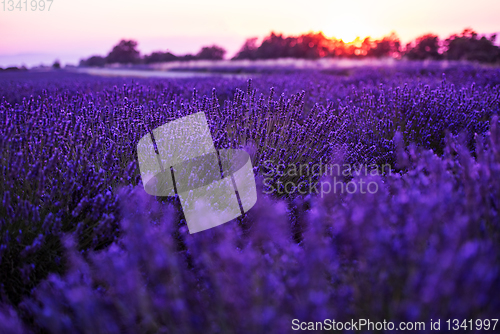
(245,67)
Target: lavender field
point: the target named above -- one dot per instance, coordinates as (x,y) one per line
(83,249)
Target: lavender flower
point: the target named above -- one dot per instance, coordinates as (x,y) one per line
(424,245)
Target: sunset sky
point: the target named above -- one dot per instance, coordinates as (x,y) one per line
(76,29)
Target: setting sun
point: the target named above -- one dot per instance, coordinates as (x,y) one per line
(348,30)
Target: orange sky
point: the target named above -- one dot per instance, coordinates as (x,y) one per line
(74,29)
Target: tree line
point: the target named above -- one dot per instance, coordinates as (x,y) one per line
(125,52)
(468,45)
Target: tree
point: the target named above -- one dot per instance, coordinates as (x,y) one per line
(389,46)
(213,52)
(468,46)
(248,50)
(316,45)
(124,52)
(308,46)
(424,47)
(159,57)
(187,57)
(272,47)
(56,65)
(94,61)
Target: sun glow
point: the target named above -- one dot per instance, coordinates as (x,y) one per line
(347,30)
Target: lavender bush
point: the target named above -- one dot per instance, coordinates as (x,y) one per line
(424,246)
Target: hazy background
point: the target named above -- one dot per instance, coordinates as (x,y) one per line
(75,29)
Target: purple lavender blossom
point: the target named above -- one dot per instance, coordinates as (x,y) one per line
(84,249)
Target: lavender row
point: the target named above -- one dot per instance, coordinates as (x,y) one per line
(424,247)
(69,145)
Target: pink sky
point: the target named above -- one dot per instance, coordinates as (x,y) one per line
(75,29)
